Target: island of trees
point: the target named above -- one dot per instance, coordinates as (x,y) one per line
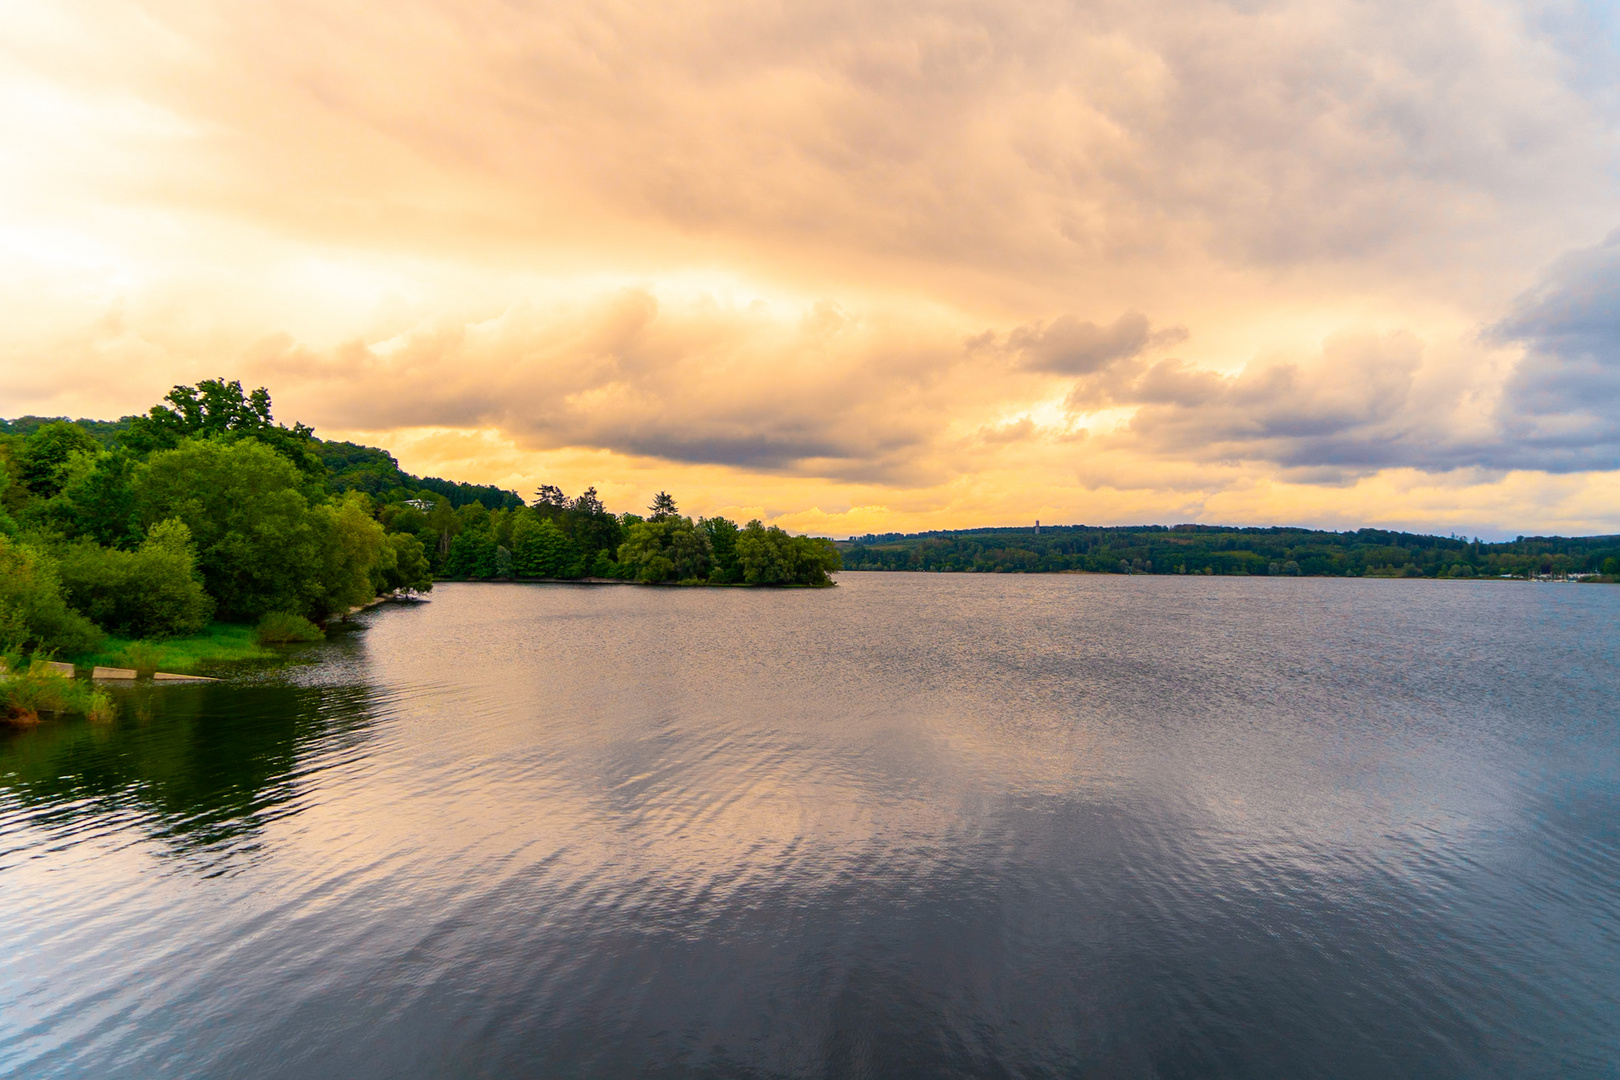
(205,521)
(1213,549)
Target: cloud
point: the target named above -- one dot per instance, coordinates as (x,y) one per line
(1345,409)
(825,392)
(1067,346)
(1561,404)
(752,239)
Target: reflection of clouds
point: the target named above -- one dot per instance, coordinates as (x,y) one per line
(769,821)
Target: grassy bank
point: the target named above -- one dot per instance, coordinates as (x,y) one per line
(221,641)
(26,694)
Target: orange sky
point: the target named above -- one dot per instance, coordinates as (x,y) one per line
(849,267)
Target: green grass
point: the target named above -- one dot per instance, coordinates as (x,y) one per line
(221,641)
(24,694)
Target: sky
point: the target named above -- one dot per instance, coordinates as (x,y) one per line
(850,267)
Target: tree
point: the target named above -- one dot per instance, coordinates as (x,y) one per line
(590,526)
(552,496)
(351,545)
(258,547)
(49,453)
(690,550)
(409,570)
(773,557)
(540,549)
(663,506)
(722,535)
(472,555)
(99,502)
(219,408)
(154,591)
(33,613)
(642,554)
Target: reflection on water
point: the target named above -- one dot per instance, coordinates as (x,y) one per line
(914,826)
(199,768)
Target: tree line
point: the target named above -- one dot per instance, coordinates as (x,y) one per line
(205,508)
(1209,549)
(563,538)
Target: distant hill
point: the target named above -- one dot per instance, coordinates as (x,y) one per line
(105,432)
(1216,549)
(352,467)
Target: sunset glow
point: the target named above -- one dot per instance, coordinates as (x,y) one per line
(849,267)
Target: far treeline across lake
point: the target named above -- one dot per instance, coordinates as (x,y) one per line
(1215,549)
(206,530)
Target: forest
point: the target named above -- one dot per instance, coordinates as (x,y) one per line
(207,517)
(1212,549)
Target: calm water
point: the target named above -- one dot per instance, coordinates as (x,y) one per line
(913,826)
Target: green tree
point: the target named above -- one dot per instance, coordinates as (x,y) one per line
(550,498)
(643,554)
(472,556)
(663,507)
(49,453)
(34,615)
(351,544)
(154,591)
(408,571)
(98,502)
(773,557)
(257,541)
(689,549)
(722,534)
(215,407)
(591,527)
(540,549)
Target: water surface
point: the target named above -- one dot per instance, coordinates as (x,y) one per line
(916,825)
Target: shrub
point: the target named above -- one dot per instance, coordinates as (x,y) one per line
(25,695)
(33,613)
(151,592)
(282,627)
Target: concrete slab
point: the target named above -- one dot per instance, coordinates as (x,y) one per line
(56,667)
(113,673)
(164,676)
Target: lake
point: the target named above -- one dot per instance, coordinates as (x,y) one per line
(914,826)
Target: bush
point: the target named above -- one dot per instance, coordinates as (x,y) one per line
(33,613)
(282,627)
(152,592)
(25,695)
